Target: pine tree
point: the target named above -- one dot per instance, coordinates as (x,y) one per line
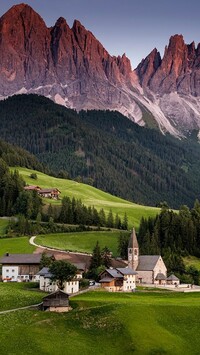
(96,259)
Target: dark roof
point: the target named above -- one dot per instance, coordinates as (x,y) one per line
(44,272)
(147,262)
(133,243)
(57,294)
(160,276)
(21,259)
(172,277)
(106,279)
(114,273)
(127,271)
(80,266)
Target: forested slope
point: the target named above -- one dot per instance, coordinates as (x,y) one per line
(105,149)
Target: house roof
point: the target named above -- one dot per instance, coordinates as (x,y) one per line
(21,259)
(133,243)
(127,271)
(32,187)
(43,191)
(106,279)
(57,294)
(114,273)
(80,266)
(172,277)
(147,262)
(45,272)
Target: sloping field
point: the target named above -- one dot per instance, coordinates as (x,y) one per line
(82,241)
(90,196)
(15,245)
(106,323)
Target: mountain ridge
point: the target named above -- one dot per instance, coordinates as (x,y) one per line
(70,66)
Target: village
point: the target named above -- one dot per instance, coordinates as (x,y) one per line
(123,276)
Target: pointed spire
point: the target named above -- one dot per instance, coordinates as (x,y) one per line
(133,243)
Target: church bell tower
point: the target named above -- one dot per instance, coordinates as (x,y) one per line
(133,251)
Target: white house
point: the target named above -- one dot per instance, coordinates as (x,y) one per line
(20,267)
(119,279)
(150,269)
(47,285)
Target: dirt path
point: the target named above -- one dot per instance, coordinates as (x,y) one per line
(18,309)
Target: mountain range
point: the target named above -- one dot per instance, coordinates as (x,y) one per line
(70,66)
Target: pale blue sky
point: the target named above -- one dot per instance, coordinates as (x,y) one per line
(131,26)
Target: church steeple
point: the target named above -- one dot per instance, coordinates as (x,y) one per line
(133,251)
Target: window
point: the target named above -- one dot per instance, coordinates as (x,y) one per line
(13,277)
(7,270)
(13,270)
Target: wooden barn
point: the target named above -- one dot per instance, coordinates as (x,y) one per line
(56,302)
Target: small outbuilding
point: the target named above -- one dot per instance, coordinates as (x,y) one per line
(173,280)
(160,279)
(56,302)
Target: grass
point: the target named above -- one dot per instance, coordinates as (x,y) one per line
(108,323)
(192,261)
(16,245)
(14,295)
(82,241)
(90,196)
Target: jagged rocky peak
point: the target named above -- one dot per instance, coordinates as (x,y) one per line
(148,66)
(124,65)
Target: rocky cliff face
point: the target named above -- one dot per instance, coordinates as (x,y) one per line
(72,67)
(175,81)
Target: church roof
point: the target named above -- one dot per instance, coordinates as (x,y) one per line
(133,243)
(172,277)
(147,262)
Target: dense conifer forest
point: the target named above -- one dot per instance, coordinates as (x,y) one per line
(104,149)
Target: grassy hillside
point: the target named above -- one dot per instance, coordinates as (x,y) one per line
(83,242)
(105,323)
(15,245)
(90,196)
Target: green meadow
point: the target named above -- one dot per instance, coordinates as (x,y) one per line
(90,196)
(15,245)
(104,323)
(81,241)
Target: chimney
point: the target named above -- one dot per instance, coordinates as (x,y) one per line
(7,254)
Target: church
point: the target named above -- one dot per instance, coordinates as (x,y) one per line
(150,269)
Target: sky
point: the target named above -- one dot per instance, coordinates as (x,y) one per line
(134,27)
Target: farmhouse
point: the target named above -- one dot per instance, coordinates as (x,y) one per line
(56,302)
(119,279)
(150,269)
(32,188)
(20,267)
(49,193)
(49,286)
